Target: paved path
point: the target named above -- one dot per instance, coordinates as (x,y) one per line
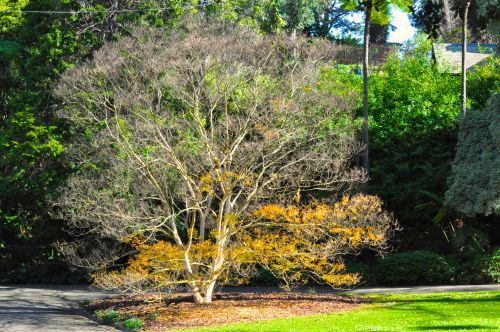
(56,309)
(369,290)
(46,308)
(428,289)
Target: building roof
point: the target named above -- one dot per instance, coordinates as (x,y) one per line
(451,55)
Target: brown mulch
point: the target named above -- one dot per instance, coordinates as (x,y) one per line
(178,311)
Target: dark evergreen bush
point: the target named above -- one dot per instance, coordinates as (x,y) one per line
(413,268)
(480,269)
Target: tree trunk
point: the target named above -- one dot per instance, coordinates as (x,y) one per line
(464,53)
(366,45)
(204,295)
(198,297)
(433,54)
(293,36)
(447,16)
(209,291)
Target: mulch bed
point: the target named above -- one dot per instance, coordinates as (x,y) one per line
(178,311)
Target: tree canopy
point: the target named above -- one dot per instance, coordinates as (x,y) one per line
(475,180)
(206,144)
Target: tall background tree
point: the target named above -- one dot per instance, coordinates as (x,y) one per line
(445,17)
(429,15)
(299,14)
(376,11)
(332,21)
(465,14)
(415,113)
(475,180)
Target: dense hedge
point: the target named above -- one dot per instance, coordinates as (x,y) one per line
(413,268)
(479,269)
(424,267)
(413,125)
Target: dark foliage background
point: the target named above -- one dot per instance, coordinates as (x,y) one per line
(414,110)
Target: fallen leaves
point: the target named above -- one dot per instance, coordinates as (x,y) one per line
(178,311)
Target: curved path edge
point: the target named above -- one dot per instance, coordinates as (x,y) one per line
(27,308)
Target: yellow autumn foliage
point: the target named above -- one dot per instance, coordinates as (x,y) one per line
(297,243)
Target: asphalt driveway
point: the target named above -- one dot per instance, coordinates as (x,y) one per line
(46,308)
(56,308)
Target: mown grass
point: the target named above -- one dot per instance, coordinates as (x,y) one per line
(464,311)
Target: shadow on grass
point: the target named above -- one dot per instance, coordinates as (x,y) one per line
(455,327)
(435,306)
(440,299)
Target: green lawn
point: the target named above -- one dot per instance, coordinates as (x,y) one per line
(466,311)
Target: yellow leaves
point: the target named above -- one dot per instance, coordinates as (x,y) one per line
(297,243)
(297,196)
(358,206)
(135,240)
(272,212)
(355,236)
(358,235)
(159,255)
(359,209)
(293,214)
(304,242)
(375,238)
(231,220)
(315,213)
(337,280)
(203,252)
(206,183)
(209,181)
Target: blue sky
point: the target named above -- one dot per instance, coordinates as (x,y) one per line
(404,30)
(400,20)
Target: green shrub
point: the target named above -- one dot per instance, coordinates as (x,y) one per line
(263,277)
(483,82)
(133,323)
(480,269)
(108,317)
(152,316)
(474,182)
(366,271)
(469,270)
(413,268)
(36,271)
(492,266)
(413,123)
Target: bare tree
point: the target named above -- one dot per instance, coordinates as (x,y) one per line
(183,138)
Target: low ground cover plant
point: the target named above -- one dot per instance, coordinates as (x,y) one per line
(133,323)
(108,317)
